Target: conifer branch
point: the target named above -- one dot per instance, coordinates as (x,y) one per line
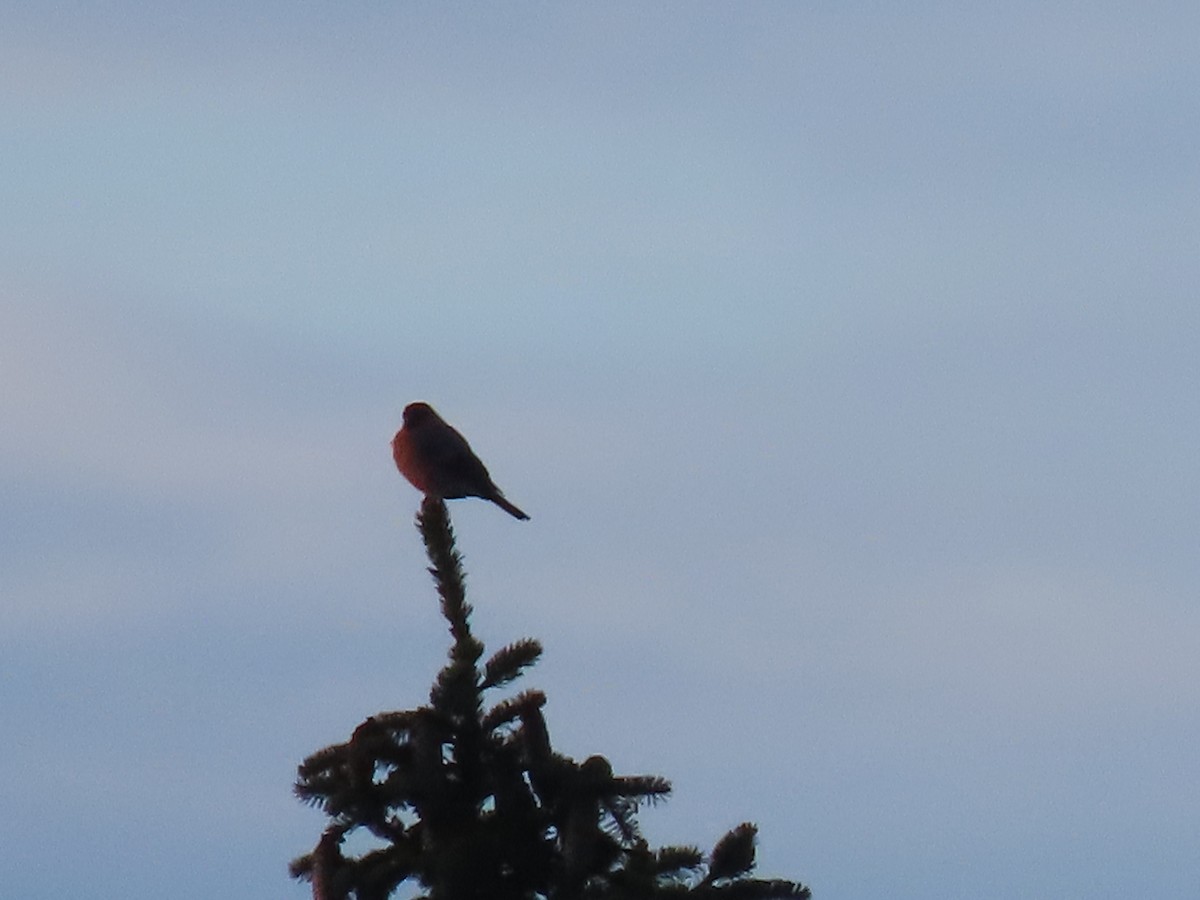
(507,663)
(734,853)
(513,708)
(457,689)
(478,806)
(433,521)
(675,861)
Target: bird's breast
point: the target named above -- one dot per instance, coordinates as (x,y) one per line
(408,463)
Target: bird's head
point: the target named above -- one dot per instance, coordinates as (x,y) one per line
(416,413)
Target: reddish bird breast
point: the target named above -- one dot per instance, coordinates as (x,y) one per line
(407,462)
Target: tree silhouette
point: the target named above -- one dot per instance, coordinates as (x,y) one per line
(471,802)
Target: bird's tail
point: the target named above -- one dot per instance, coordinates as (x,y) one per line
(509,508)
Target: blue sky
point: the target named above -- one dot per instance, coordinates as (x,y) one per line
(845,358)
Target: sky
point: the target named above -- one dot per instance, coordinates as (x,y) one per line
(844,356)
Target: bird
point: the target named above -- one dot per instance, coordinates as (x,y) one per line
(439,462)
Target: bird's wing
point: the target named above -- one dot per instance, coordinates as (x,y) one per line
(460,472)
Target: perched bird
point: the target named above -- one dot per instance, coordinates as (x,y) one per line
(439,462)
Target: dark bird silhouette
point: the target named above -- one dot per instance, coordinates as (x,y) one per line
(439,462)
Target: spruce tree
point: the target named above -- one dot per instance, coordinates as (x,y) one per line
(470,801)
